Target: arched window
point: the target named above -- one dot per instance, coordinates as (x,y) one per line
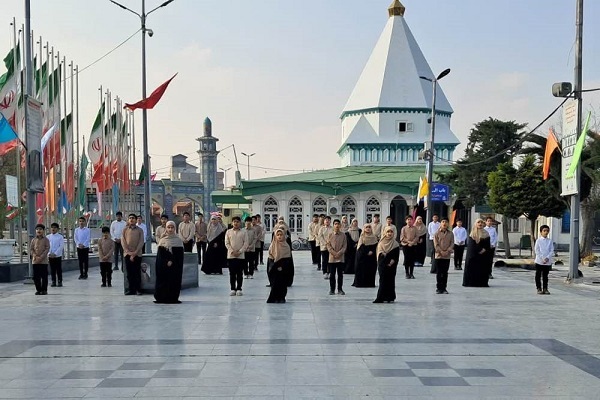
(270,213)
(373,207)
(349,208)
(409,155)
(363,155)
(374,157)
(445,154)
(295,215)
(319,206)
(386,155)
(399,156)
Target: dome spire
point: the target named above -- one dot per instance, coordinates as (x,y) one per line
(396,8)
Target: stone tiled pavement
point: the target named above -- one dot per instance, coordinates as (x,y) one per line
(503,342)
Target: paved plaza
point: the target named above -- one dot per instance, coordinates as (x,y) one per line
(505,342)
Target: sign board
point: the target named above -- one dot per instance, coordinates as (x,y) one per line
(12,190)
(440,192)
(33,130)
(568,141)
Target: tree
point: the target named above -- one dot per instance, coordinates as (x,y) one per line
(491,142)
(522,191)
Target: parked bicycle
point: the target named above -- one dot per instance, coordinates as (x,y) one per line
(300,244)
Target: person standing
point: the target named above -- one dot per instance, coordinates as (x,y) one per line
(278,265)
(40,247)
(324,232)
(236,242)
(421,247)
(143,227)
(187,232)
(82,237)
(460,242)
(313,231)
(443,242)
(376,225)
(409,240)
(491,230)
(336,248)
(169,267)
(258,244)
(544,250)
(262,238)
(476,263)
(162,229)
(249,255)
(57,243)
(352,237)
(133,245)
(344,224)
(388,253)
(116,231)
(389,222)
(106,249)
(215,258)
(366,258)
(201,241)
(432,228)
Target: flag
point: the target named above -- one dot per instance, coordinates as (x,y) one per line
(423,187)
(115,199)
(149,102)
(142,176)
(9,94)
(8,137)
(551,145)
(81,192)
(51,146)
(67,161)
(97,151)
(452,217)
(579,148)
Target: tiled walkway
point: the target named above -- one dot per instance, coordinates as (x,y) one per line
(505,342)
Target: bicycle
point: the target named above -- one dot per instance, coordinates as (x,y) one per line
(300,244)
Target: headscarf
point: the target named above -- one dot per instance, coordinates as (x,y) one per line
(344,224)
(168,241)
(478,233)
(214,229)
(421,227)
(279,249)
(386,245)
(353,231)
(366,239)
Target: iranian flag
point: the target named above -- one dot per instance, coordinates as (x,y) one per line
(97,151)
(9,94)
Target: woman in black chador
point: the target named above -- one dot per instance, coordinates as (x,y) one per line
(366,258)
(421,247)
(169,267)
(279,267)
(478,257)
(388,252)
(215,257)
(352,236)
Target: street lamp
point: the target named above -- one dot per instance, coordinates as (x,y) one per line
(225,176)
(147,200)
(430,153)
(248,155)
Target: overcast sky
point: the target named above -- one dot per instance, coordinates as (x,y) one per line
(274,75)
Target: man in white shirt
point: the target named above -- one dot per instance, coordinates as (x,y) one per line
(432,229)
(460,242)
(57,243)
(140,224)
(82,237)
(116,232)
(489,227)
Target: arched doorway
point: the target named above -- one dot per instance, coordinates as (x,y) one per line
(398,211)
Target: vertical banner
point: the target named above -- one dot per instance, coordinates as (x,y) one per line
(568,141)
(33,123)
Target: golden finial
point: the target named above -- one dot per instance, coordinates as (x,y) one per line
(396,9)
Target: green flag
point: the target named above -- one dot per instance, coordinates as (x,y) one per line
(81,185)
(142,175)
(579,148)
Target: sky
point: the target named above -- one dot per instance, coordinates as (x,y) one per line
(274,75)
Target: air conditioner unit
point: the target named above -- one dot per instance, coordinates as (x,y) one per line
(333,207)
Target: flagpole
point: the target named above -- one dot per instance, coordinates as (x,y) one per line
(19,217)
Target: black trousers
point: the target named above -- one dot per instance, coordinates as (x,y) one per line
(40,277)
(257,251)
(236,268)
(409,259)
(56,268)
(106,272)
(118,254)
(458,255)
(325,261)
(315,252)
(541,276)
(249,261)
(83,256)
(201,249)
(333,268)
(441,272)
(188,247)
(260,252)
(134,274)
(491,266)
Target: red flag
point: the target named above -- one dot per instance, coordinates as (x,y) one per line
(149,102)
(551,145)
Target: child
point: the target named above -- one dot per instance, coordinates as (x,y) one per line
(443,242)
(544,249)
(249,253)
(336,248)
(106,249)
(40,247)
(236,242)
(57,242)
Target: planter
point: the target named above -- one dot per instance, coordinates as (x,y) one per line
(6,250)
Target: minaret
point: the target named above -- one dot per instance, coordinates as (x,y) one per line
(208,165)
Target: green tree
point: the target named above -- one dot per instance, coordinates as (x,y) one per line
(522,191)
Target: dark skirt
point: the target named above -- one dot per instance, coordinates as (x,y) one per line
(278,273)
(421,250)
(366,266)
(476,271)
(387,276)
(215,258)
(350,255)
(168,278)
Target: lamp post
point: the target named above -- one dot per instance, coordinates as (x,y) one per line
(430,153)
(248,156)
(225,176)
(147,200)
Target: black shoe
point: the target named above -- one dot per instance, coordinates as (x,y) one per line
(45,293)
(103,285)
(53,284)
(129,294)
(80,277)
(331,292)
(109,285)
(115,268)
(38,293)
(139,293)
(491,276)
(445,292)
(341,292)
(319,268)
(406,276)
(412,276)
(377,301)
(438,292)
(85,276)
(59,284)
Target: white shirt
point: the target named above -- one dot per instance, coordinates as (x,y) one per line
(116,229)
(142,226)
(82,236)
(432,228)
(57,244)
(544,248)
(493,235)
(460,235)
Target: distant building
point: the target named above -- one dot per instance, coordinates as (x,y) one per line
(182,171)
